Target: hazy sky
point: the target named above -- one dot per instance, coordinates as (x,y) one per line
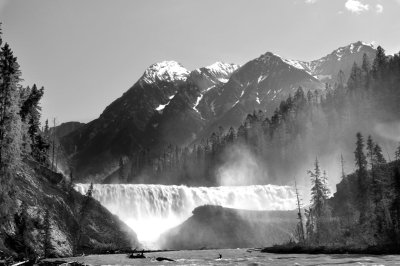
(86,53)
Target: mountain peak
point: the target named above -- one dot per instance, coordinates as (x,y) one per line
(352,48)
(222,65)
(221,68)
(165,70)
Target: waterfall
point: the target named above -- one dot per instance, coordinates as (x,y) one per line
(150,210)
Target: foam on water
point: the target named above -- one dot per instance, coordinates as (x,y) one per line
(150,210)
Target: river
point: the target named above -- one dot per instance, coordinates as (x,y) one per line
(237,257)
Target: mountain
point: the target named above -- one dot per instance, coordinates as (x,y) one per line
(66,128)
(95,148)
(169,105)
(218,227)
(327,67)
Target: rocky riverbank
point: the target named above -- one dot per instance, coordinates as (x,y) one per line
(39,191)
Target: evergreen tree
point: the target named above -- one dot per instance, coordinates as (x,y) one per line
(379,64)
(366,69)
(318,198)
(378,156)
(360,159)
(317,190)
(10,126)
(324,180)
(355,79)
(342,166)
(30,114)
(397,153)
(361,163)
(370,151)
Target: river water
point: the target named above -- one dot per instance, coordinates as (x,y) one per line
(238,257)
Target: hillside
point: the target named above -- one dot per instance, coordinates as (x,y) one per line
(218,227)
(37,190)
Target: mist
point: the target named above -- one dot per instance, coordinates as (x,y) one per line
(240,168)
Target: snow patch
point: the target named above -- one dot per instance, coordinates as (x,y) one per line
(293,63)
(161,107)
(223,80)
(165,70)
(197,103)
(261,78)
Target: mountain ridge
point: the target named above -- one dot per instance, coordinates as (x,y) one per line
(172,105)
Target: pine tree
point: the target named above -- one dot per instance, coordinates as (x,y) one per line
(360,159)
(379,64)
(361,163)
(397,153)
(324,180)
(355,78)
(299,216)
(378,156)
(370,151)
(342,166)
(366,69)
(318,198)
(317,190)
(10,126)
(30,114)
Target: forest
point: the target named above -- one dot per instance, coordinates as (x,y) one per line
(307,124)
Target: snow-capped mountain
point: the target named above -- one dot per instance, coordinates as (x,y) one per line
(260,84)
(327,67)
(214,75)
(166,70)
(171,105)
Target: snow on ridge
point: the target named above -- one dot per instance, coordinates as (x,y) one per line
(165,70)
(371,44)
(197,102)
(222,67)
(293,63)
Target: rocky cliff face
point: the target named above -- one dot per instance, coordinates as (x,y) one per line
(38,190)
(218,227)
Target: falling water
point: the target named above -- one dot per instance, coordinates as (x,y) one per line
(150,210)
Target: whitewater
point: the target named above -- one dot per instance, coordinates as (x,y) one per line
(150,210)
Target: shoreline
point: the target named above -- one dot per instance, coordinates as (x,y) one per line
(299,249)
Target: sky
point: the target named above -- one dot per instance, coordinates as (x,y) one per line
(87,53)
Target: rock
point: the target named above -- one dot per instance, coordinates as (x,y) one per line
(218,227)
(164,259)
(35,192)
